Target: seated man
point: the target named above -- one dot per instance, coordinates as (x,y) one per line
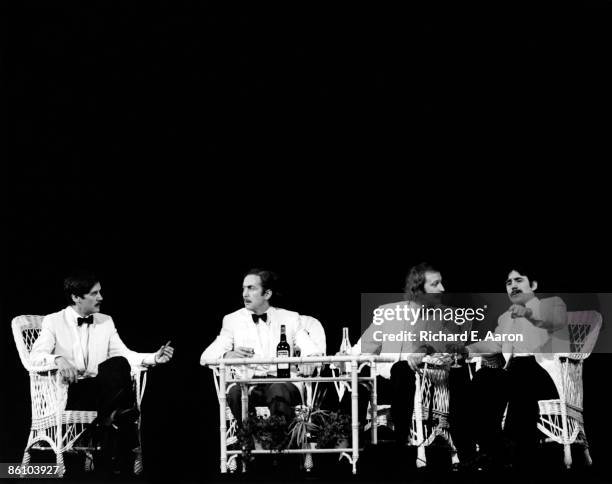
(396,381)
(85,346)
(542,323)
(254,331)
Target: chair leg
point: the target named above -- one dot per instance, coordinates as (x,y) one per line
(26,457)
(138,459)
(138,462)
(587,456)
(59,457)
(421,456)
(567,455)
(88,466)
(26,453)
(232,466)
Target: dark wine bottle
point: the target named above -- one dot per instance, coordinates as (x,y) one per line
(283,351)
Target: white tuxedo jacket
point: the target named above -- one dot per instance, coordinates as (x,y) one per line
(59,337)
(238,329)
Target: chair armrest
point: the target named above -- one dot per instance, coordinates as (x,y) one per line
(48,391)
(42,368)
(573,357)
(438,359)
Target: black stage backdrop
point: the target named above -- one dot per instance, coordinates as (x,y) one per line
(172,148)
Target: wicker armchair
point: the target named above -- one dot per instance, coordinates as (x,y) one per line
(561,420)
(431,409)
(54,427)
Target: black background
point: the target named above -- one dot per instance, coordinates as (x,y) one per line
(171,147)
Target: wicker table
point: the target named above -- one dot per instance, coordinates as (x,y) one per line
(224,378)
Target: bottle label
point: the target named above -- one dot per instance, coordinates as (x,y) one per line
(283,354)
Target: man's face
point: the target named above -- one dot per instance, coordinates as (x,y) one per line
(433,289)
(90,302)
(252,293)
(433,283)
(519,289)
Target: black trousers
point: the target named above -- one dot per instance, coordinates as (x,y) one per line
(519,388)
(111,389)
(489,392)
(278,397)
(528,382)
(461,402)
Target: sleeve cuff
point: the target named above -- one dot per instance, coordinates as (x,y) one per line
(535,313)
(149,360)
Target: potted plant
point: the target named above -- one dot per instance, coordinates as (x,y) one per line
(258,432)
(302,429)
(334,429)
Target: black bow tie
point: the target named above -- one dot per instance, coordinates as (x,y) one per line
(87,320)
(257,317)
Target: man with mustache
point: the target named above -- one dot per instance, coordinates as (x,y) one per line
(255,330)
(523,381)
(90,356)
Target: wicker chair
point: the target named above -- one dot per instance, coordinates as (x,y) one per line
(431,410)
(561,420)
(52,425)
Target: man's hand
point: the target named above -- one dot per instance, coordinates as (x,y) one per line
(518,311)
(66,370)
(240,352)
(164,354)
(414,360)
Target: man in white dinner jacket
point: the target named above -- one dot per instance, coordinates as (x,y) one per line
(254,331)
(90,356)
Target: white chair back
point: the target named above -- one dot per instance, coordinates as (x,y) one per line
(26,329)
(584,329)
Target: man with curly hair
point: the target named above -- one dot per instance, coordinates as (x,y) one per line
(396,381)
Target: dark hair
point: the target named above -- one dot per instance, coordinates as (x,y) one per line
(528,272)
(269,280)
(79,284)
(415,280)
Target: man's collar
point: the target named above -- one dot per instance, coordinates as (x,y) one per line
(269,310)
(73,315)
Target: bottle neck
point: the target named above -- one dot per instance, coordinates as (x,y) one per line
(345,336)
